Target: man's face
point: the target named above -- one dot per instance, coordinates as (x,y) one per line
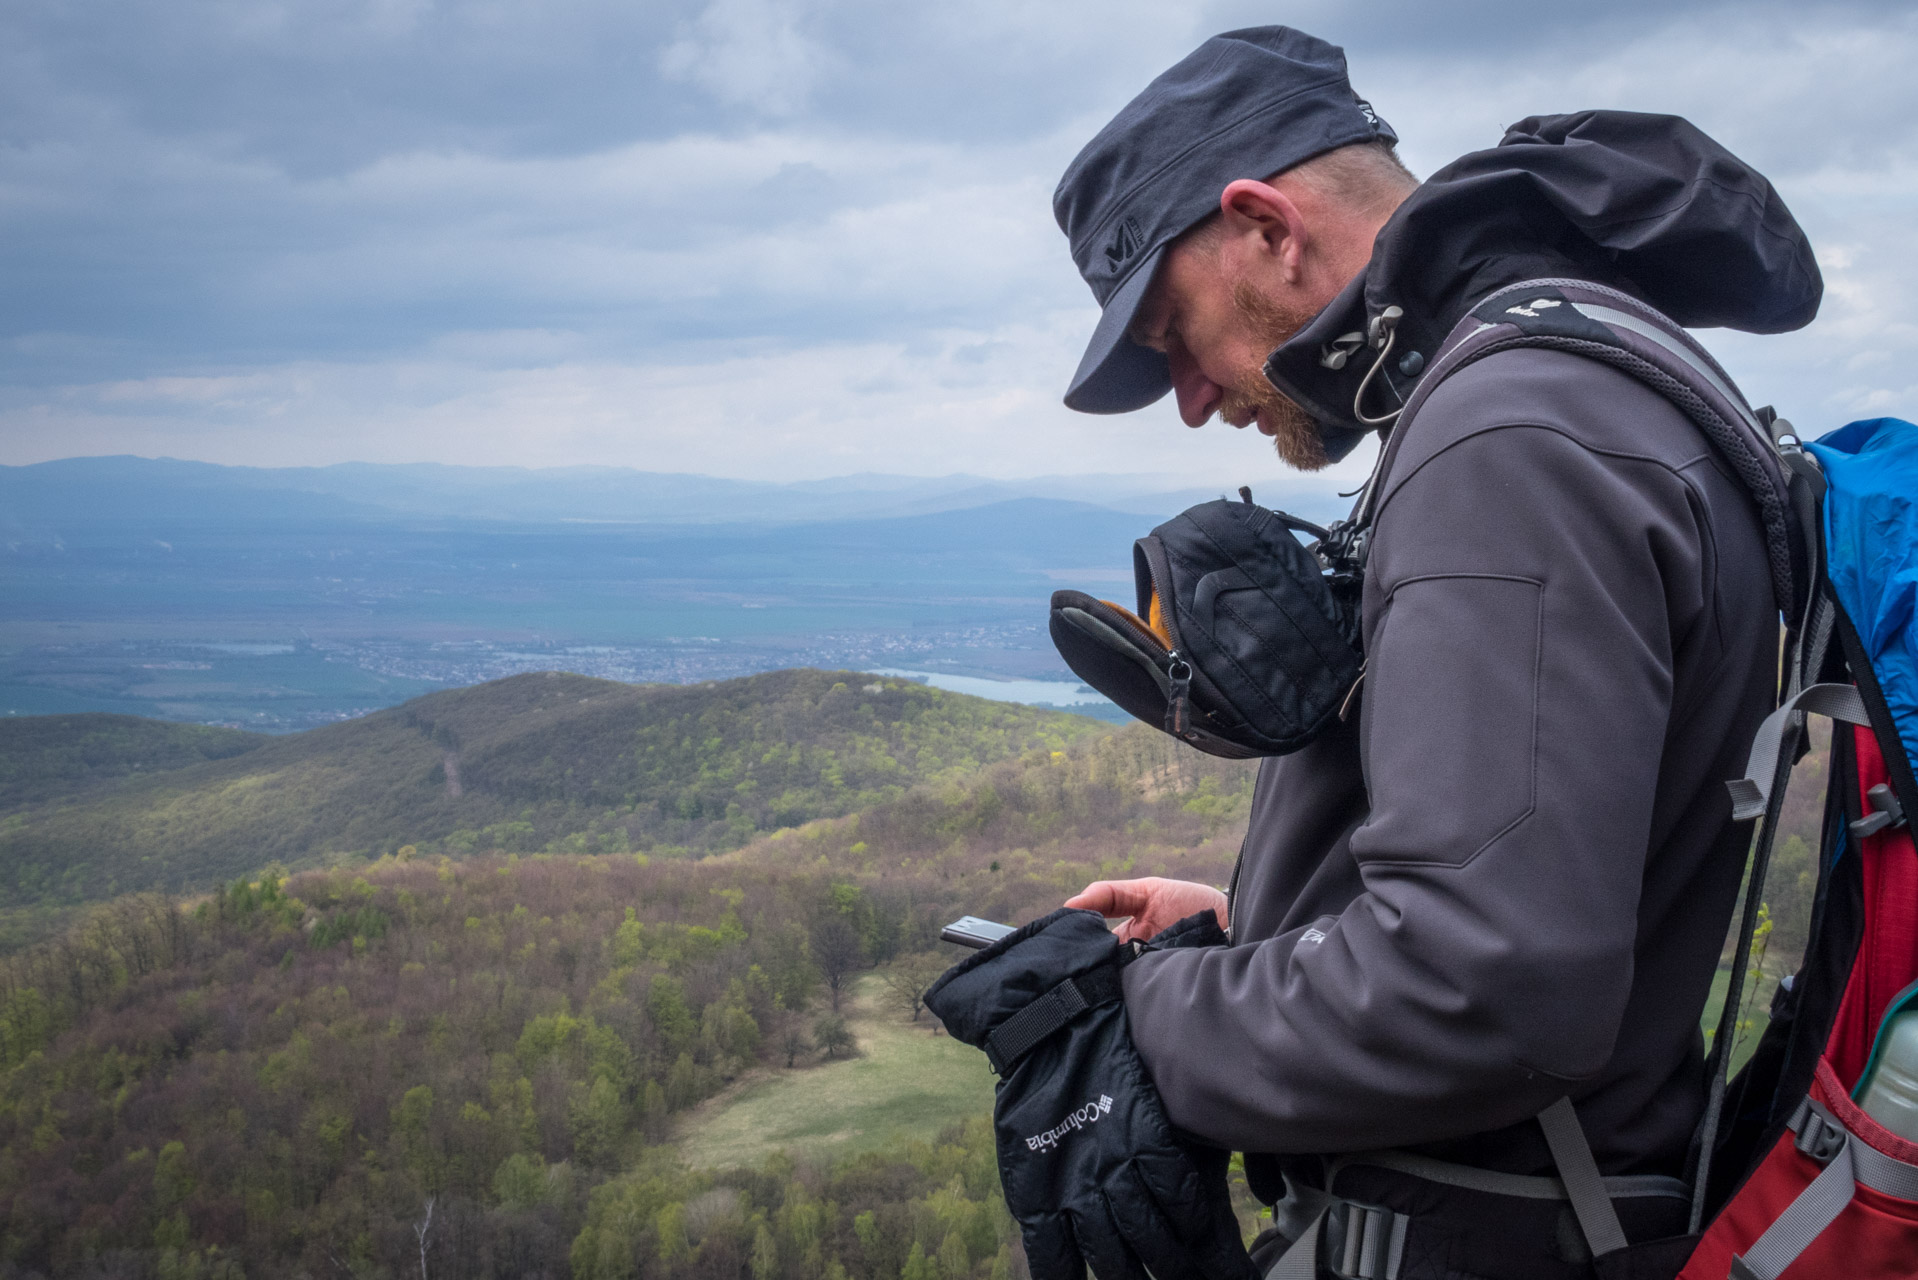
(1216,326)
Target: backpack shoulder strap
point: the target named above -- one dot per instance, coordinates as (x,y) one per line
(1614,328)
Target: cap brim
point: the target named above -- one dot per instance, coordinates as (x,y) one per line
(1117,375)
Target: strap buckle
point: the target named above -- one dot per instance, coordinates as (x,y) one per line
(1362,1241)
(1885,812)
(1822,1138)
(1816,1136)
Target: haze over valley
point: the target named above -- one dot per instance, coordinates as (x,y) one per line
(282,599)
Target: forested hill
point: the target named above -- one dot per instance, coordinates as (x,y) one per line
(54,757)
(480,1068)
(531,763)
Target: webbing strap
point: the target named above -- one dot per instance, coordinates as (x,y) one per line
(1852,1164)
(1374,1243)
(1792,1232)
(1820,619)
(1874,1169)
(1021,1033)
(1373,1246)
(1301,1261)
(1517,1185)
(1355,1241)
(1752,792)
(1579,1172)
(1870,1166)
(1771,746)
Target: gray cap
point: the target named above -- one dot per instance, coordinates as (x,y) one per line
(1246,104)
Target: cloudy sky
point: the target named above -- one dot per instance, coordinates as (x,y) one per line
(766,238)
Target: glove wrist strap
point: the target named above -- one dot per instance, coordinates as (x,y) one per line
(1020,1034)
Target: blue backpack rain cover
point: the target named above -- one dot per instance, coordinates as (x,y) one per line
(1871,552)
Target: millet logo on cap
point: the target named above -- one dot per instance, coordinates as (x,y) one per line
(1126,243)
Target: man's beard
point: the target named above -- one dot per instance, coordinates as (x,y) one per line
(1296,436)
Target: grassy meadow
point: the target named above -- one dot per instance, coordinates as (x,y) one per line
(907,1082)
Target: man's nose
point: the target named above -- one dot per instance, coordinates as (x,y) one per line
(1199,396)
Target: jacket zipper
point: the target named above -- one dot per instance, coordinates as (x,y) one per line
(1232,895)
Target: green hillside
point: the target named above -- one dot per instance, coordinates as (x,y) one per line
(281,1079)
(53,757)
(537,762)
(1036,829)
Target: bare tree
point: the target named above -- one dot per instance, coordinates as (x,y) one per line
(907,978)
(423,1229)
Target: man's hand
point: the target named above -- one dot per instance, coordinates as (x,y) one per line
(1153,902)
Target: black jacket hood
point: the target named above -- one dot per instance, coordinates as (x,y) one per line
(1644,203)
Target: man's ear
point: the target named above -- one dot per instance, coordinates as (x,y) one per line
(1264,221)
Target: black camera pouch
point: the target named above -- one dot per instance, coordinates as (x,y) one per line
(1243,643)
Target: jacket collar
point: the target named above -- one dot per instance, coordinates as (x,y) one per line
(1321,367)
(1643,203)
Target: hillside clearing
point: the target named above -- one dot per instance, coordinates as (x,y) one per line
(908,1082)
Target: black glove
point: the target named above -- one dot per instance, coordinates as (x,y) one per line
(1092,1169)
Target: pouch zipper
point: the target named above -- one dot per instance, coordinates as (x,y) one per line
(1178,709)
(1160,572)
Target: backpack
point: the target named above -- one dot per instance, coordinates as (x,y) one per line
(1789,1176)
(1798,1178)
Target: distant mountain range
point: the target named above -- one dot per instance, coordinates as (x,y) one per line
(120,490)
(284,598)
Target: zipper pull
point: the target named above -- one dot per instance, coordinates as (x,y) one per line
(1351,695)
(1178,711)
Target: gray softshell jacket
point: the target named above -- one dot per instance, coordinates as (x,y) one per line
(1507,877)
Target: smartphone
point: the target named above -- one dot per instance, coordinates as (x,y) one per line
(971,931)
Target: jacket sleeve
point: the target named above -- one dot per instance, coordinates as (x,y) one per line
(1520,612)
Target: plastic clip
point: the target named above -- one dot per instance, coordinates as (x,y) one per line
(1364,1242)
(1885,813)
(1818,1137)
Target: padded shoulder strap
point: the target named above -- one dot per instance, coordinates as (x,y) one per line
(1612,327)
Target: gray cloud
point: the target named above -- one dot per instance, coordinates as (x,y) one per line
(759,237)
(752,54)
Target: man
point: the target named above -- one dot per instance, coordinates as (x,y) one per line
(1506,879)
